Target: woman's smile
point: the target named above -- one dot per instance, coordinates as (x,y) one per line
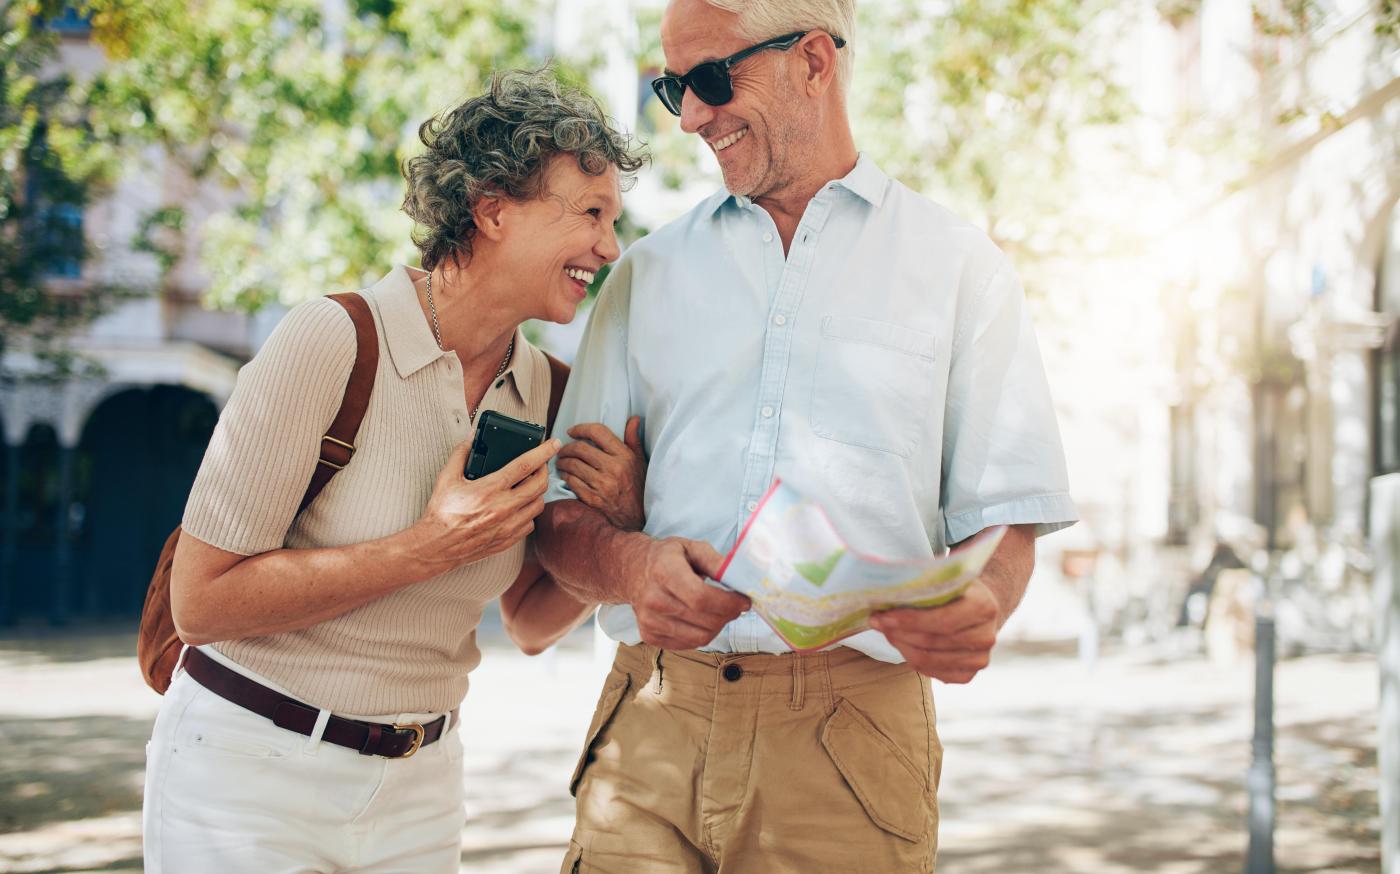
(581,278)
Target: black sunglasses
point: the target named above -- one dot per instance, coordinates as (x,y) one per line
(710,81)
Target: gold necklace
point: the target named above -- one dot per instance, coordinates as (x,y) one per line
(437,335)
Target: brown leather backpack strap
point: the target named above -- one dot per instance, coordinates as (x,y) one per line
(338,444)
(558,378)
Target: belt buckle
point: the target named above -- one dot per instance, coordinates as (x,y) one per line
(417,729)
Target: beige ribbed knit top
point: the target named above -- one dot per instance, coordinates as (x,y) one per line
(409,651)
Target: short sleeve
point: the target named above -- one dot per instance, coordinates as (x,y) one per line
(1003,462)
(266,444)
(598,389)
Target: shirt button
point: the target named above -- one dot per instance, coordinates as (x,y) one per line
(733,672)
(767,412)
(752,505)
(768,238)
(458,417)
(780,320)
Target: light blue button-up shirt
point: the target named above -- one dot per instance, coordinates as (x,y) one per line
(886,368)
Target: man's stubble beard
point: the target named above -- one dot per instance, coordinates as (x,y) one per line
(782,140)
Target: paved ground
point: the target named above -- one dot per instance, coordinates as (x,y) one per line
(1136,765)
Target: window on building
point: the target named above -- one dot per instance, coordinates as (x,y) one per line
(71,22)
(55,222)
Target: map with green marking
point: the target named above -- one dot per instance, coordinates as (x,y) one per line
(814,590)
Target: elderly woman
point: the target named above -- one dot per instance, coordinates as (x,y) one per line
(312,727)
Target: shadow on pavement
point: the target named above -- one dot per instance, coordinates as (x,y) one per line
(57,770)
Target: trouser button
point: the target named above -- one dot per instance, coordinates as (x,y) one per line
(733,672)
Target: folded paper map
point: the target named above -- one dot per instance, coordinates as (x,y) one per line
(814,590)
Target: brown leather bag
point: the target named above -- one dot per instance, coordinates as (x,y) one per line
(157,643)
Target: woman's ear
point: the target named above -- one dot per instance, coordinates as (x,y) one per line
(490,215)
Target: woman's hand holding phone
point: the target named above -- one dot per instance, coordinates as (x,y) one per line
(468,520)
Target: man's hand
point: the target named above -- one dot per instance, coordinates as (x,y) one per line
(608,474)
(949,643)
(675,607)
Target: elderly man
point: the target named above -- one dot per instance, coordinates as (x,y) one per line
(818,322)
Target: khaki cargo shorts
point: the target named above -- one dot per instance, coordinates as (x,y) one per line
(757,764)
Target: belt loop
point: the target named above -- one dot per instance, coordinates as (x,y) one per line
(180,662)
(799,682)
(313,742)
(657,664)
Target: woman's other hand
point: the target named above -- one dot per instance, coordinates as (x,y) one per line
(606,473)
(468,520)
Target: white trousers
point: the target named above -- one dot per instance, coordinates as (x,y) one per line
(228,792)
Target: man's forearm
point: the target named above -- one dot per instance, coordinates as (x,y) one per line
(1009,569)
(586,555)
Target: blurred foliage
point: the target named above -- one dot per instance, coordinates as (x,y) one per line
(1388,18)
(1287,18)
(981,106)
(1178,12)
(301,116)
(161,235)
(51,166)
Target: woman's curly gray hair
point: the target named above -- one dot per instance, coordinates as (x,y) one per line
(499,144)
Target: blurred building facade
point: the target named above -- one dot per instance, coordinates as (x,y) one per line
(1284,401)
(96,470)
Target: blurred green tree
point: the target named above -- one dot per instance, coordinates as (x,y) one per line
(998,109)
(301,111)
(51,165)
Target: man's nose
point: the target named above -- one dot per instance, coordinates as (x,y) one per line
(695,113)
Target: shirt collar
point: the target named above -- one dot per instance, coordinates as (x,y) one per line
(409,336)
(522,367)
(866,181)
(407,333)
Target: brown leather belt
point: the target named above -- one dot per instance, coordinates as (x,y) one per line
(396,741)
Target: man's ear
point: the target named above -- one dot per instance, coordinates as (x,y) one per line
(490,216)
(818,54)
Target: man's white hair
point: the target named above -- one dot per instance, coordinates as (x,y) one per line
(765,19)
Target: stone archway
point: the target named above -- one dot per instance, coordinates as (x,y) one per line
(136,459)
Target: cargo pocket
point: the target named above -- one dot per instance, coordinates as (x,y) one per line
(888,785)
(608,702)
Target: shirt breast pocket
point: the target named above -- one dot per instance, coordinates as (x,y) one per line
(872,384)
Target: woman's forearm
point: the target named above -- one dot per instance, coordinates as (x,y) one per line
(537,612)
(216,595)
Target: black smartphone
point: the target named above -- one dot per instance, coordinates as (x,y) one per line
(499,441)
